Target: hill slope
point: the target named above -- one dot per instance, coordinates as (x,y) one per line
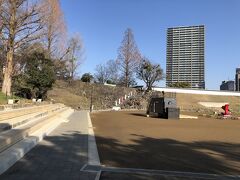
(78,95)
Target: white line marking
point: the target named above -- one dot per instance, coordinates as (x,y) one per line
(167,173)
(98,175)
(93,157)
(164,173)
(83,167)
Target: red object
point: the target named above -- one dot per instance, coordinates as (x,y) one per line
(226,109)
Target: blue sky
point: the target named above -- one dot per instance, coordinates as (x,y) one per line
(101,23)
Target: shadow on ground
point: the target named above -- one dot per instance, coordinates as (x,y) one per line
(59,156)
(4,127)
(55,159)
(149,176)
(141,114)
(167,154)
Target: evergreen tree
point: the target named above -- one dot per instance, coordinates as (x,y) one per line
(87,77)
(37,77)
(149,73)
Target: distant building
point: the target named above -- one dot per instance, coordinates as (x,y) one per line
(113,85)
(138,87)
(237,79)
(227,85)
(185,56)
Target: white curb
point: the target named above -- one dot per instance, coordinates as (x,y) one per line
(93,157)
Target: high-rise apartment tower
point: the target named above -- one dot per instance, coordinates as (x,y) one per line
(227,86)
(185,56)
(237,79)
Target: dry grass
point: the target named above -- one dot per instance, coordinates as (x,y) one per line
(64,96)
(190,101)
(78,94)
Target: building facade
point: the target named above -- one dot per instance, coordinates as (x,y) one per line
(185,56)
(237,79)
(227,86)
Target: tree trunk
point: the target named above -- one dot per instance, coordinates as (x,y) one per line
(127,73)
(72,64)
(7,80)
(49,41)
(126,79)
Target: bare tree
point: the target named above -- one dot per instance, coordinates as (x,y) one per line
(1,44)
(149,73)
(2,2)
(75,55)
(128,58)
(54,32)
(1,21)
(113,71)
(107,72)
(1,28)
(180,85)
(21,24)
(101,73)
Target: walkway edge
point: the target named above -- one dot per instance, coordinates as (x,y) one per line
(93,157)
(10,156)
(14,153)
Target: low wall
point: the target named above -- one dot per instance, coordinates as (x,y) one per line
(193,91)
(10,107)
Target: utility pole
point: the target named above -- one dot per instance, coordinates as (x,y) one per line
(91,100)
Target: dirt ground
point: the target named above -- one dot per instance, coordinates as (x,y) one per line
(136,176)
(204,145)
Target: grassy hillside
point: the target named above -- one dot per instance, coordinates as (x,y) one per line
(78,94)
(190,101)
(4,99)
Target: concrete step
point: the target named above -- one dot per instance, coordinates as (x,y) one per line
(22,119)
(10,137)
(12,154)
(20,112)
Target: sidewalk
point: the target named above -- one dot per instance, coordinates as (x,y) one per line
(60,155)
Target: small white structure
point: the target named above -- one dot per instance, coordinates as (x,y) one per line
(182,116)
(213,104)
(113,85)
(34,100)
(116,108)
(10,101)
(196,91)
(39,100)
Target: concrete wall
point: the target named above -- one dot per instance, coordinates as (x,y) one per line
(192,91)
